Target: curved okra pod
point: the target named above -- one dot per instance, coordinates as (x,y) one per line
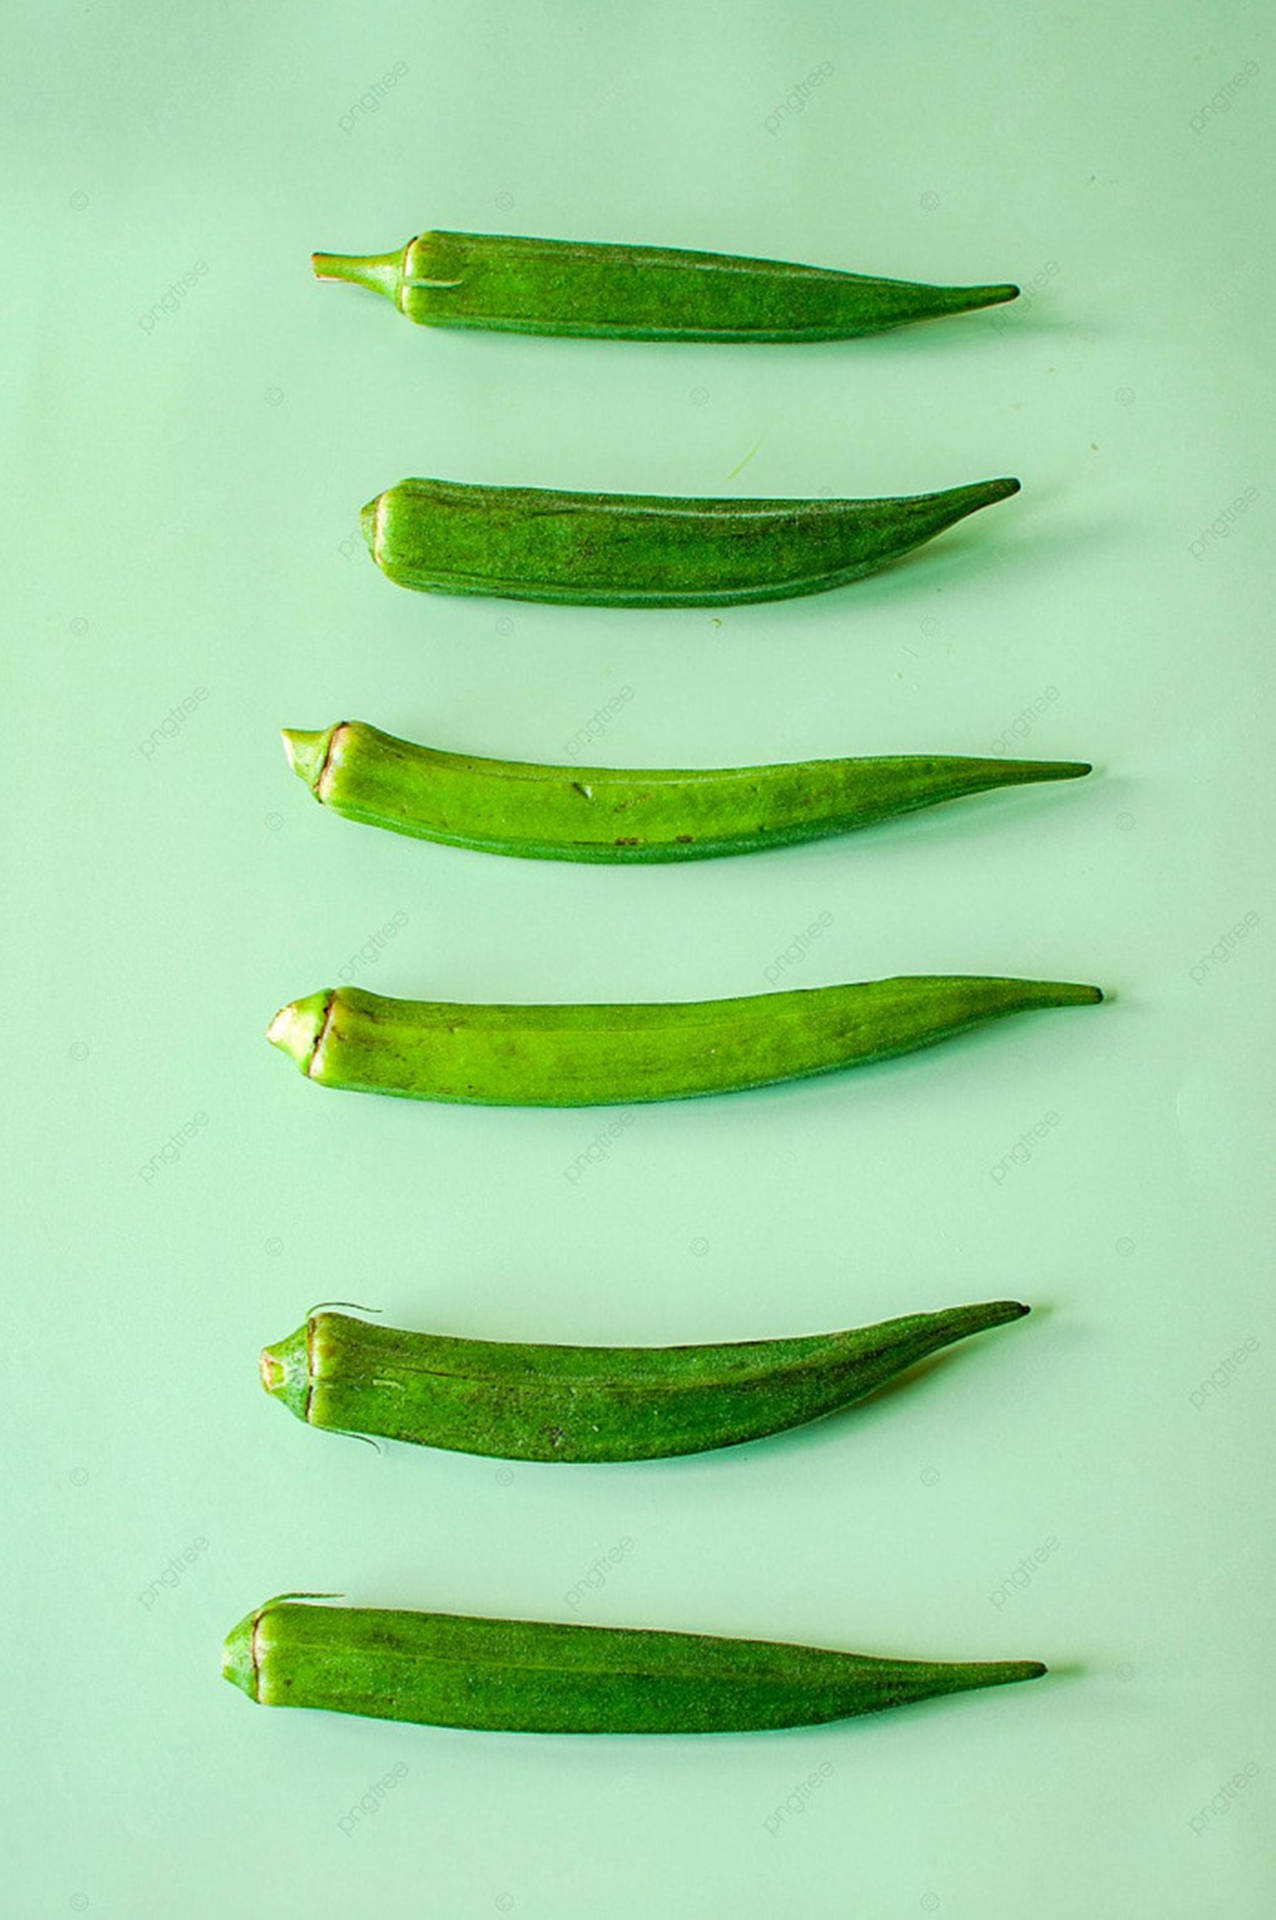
(518,1402)
(610,814)
(532,1676)
(517,285)
(599,1055)
(646,550)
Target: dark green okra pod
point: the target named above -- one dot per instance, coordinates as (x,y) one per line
(600,1055)
(612,814)
(531,1676)
(522,1402)
(517,285)
(646,550)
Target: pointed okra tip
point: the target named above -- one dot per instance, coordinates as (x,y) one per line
(285,1371)
(997,1673)
(1027,773)
(993,296)
(307,753)
(1060,993)
(945,508)
(1025,1669)
(1064,769)
(958,1323)
(297,1028)
(1001,1312)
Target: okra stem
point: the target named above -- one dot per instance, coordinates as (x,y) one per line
(379,272)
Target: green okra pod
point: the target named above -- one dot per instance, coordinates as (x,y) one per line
(532,1676)
(646,550)
(519,1402)
(601,1055)
(612,814)
(518,285)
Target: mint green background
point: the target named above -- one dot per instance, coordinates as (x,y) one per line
(181,516)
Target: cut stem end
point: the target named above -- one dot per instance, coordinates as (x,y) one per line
(238,1664)
(378,272)
(307,753)
(368,525)
(297,1028)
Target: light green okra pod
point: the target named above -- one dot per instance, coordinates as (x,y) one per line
(600,1055)
(518,285)
(611,814)
(646,550)
(519,1402)
(531,1676)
